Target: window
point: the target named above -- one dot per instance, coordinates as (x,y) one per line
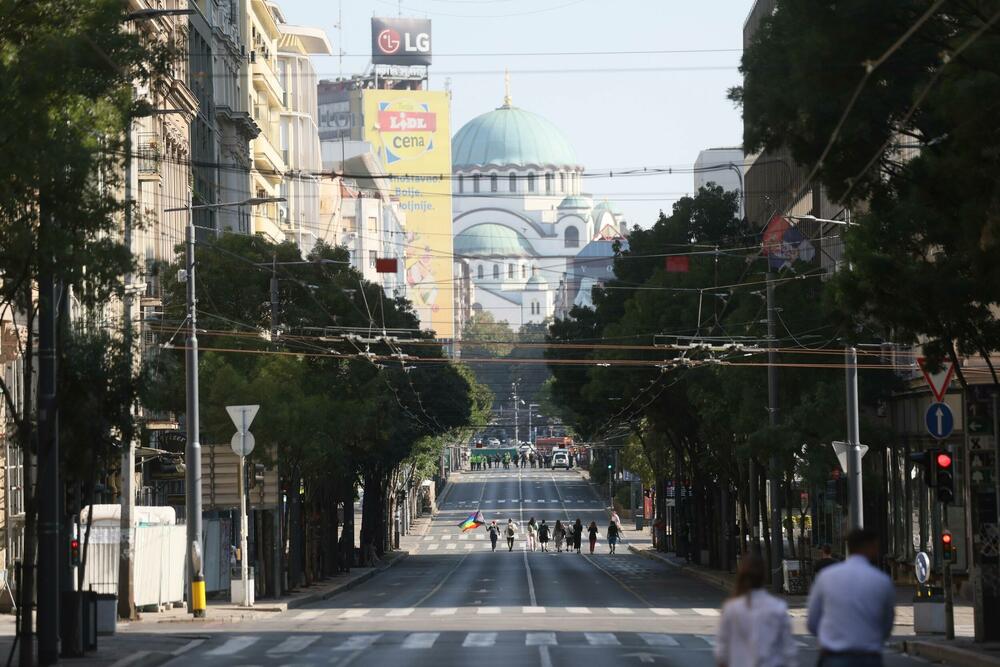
(496,272)
(562,182)
(461,184)
(372,258)
(548,183)
(524,270)
(531,182)
(494,183)
(512,179)
(572,237)
(536,308)
(510,270)
(475,183)
(479,272)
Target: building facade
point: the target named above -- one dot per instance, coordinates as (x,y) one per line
(533,243)
(722,166)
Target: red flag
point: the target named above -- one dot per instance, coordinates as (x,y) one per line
(678,264)
(385,265)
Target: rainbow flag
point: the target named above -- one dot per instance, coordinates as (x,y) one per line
(474,521)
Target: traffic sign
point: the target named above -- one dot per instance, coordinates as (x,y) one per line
(939,420)
(922,566)
(243,443)
(938,382)
(242,415)
(841,448)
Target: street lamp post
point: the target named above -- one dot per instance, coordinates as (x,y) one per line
(192,450)
(531,433)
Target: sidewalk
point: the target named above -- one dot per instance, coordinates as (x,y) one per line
(145,640)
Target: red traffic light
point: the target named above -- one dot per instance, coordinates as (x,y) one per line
(74,544)
(946,538)
(944,460)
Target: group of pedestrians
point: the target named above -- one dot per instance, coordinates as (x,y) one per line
(504,461)
(538,535)
(850,611)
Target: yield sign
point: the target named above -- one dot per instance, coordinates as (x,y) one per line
(938,382)
(841,448)
(242,415)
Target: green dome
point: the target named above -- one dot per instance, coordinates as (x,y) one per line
(492,240)
(574,201)
(537,281)
(509,136)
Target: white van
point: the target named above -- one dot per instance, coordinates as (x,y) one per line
(560,458)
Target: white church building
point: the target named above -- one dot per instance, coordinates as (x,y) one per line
(531,242)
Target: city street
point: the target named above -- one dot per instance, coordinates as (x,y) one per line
(453,602)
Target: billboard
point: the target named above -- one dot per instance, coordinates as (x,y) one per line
(410,133)
(399,41)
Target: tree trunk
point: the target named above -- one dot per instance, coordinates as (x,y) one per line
(26,437)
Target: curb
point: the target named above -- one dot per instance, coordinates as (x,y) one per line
(951,655)
(717,581)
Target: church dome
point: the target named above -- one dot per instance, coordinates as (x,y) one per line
(511,137)
(537,282)
(492,240)
(576,202)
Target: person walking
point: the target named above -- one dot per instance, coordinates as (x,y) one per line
(494,531)
(577,535)
(592,532)
(559,534)
(532,531)
(852,606)
(614,532)
(543,535)
(825,559)
(755,629)
(511,532)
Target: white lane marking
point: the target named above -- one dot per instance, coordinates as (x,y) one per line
(654,639)
(480,639)
(470,547)
(706,612)
(293,644)
(357,642)
(531,582)
(401,612)
(418,640)
(488,610)
(532,610)
(602,639)
(355,613)
(310,615)
(194,643)
(463,536)
(445,611)
(502,501)
(708,639)
(540,639)
(234,645)
(800,643)
(429,538)
(578,610)
(543,656)
(620,611)
(433,547)
(446,537)
(451,547)
(663,612)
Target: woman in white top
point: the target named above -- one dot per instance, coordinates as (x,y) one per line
(755,630)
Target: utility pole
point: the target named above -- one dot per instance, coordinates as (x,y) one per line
(278,542)
(192,450)
(773,473)
(47,488)
(854,452)
(517,440)
(126,547)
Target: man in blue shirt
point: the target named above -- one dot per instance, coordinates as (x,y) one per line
(851,606)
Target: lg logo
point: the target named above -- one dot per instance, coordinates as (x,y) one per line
(389,41)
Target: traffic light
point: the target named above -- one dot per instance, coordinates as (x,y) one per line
(74,552)
(947,546)
(258,475)
(926,459)
(944,476)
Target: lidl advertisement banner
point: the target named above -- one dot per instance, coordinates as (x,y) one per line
(410,132)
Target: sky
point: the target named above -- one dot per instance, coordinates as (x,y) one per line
(621,111)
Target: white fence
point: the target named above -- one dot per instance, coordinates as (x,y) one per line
(159,563)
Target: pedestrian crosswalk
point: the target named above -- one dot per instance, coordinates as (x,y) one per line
(283,646)
(322,616)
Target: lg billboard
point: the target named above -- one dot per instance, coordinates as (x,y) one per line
(401,41)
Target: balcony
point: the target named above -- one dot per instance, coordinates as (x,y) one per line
(267,159)
(266,81)
(265,225)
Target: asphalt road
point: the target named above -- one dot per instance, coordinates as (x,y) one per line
(454,602)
